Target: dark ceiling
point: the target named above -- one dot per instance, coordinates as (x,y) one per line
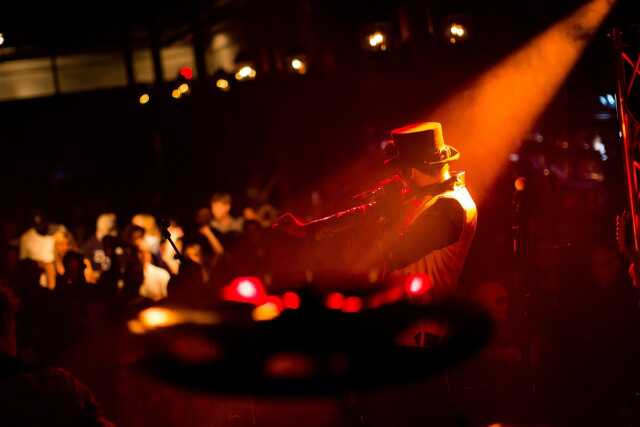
(38,28)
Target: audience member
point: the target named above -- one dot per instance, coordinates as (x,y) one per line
(203,221)
(63,243)
(222,221)
(154,284)
(73,270)
(93,248)
(34,395)
(38,245)
(152,235)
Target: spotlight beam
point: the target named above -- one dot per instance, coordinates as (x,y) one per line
(487,118)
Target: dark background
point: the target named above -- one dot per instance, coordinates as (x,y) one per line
(104,148)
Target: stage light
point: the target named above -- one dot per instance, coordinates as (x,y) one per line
(156,317)
(291,300)
(183,88)
(334,300)
(161,317)
(352,304)
(223,85)
(1,39)
(246,72)
(457,30)
(176,93)
(417,284)
(298,65)
(520,183)
(245,289)
(525,82)
(266,311)
(144,98)
(186,72)
(377,40)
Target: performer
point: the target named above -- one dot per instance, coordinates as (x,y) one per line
(425,216)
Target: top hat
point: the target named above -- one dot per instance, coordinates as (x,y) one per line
(419,145)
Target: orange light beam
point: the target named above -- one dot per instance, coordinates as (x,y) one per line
(488,118)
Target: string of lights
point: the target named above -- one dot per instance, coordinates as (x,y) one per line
(377,40)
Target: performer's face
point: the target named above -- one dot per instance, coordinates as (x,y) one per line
(419,177)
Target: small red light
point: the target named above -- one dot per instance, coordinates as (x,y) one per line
(417,284)
(352,305)
(291,300)
(335,300)
(186,72)
(245,289)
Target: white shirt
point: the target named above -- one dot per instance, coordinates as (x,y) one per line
(37,247)
(234,224)
(154,285)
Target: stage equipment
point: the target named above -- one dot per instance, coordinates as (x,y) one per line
(488,118)
(164,225)
(627,55)
(246,72)
(311,351)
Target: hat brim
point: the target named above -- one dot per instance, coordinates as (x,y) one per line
(453,156)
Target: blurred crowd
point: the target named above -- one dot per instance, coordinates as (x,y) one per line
(137,258)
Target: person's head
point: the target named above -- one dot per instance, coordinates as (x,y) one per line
(220,205)
(203,217)
(147,222)
(133,234)
(40,223)
(106,225)
(426,175)
(8,308)
(419,154)
(74,267)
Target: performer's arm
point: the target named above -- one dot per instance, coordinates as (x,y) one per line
(381,201)
(331,225)
(440,226)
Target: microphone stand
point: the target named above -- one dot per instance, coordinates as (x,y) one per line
(166,234)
